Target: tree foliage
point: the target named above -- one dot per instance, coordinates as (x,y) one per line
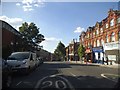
(60,51)
(81,51)
(31,32)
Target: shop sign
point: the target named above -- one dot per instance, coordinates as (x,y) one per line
(97,49)
(112,45)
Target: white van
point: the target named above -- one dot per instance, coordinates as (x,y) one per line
(22,61)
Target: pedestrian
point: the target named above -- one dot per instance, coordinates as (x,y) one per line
(107,60)
(103,60)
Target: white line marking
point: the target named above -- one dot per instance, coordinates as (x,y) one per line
(38,83)
(107,78)
(72,74)
(18,83)
(70,85)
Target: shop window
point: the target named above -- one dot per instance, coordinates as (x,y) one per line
(113,37)
(112,22)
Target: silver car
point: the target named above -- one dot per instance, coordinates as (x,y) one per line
(22,62)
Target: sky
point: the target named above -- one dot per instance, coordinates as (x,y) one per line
(58,21)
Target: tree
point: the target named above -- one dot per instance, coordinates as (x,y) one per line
(31,32)
(60,51)
(81,51)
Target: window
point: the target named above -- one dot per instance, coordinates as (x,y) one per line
(93,33)
(98,43)
(118,20)
(101,29)
(106,38)
(102,41)
(106,25)
(97,31)
(112,22)
(113,37)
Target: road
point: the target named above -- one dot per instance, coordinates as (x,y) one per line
(63,75)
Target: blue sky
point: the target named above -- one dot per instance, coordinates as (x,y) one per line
(58,21)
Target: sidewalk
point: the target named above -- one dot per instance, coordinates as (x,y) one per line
(102,65)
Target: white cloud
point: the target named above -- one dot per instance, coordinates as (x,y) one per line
(28,5)
(52,39)
(15,22)
(17,4)
(79,30)
(50,43)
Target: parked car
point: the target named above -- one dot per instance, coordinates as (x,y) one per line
(22,62)
(6,74)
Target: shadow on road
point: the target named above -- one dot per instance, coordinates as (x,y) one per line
(89,82)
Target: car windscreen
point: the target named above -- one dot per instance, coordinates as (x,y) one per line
(19,56)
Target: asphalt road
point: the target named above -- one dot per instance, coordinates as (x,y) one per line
(62,75)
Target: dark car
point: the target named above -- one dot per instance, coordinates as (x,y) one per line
(6,74)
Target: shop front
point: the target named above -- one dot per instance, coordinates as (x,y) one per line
(88,55)
(98,54)
(112,51)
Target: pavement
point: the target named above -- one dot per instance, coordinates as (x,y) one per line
(114,65)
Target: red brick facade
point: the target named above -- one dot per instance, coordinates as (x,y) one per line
(103,32)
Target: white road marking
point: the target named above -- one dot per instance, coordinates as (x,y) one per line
(39,82)
(57,85)
(70,85)
(72,74)
(18,83)
(107,77)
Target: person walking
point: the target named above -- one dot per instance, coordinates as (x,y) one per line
(107,60)
(103,60)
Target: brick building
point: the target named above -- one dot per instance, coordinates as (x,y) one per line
(12,40)
(102,40)
(72,51)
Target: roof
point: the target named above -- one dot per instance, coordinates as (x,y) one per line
(9,28)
